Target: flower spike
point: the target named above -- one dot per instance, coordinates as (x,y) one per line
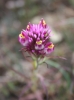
(35,39)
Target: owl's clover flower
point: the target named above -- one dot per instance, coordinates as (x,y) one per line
(36,39)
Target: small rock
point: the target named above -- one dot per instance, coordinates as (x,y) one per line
(56,37)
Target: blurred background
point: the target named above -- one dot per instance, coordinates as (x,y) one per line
(16,78)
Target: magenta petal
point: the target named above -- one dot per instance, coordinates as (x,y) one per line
(23,38)
(43,23)
(48,51)
(23,42)
(49,47)
(39,47)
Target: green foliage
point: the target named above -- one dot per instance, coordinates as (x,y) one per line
(71,2)
(64,73)
(11,86)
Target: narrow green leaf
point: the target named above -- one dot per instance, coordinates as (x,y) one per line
(11,85)
(65,74)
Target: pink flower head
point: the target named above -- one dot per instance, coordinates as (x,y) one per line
(35,39)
